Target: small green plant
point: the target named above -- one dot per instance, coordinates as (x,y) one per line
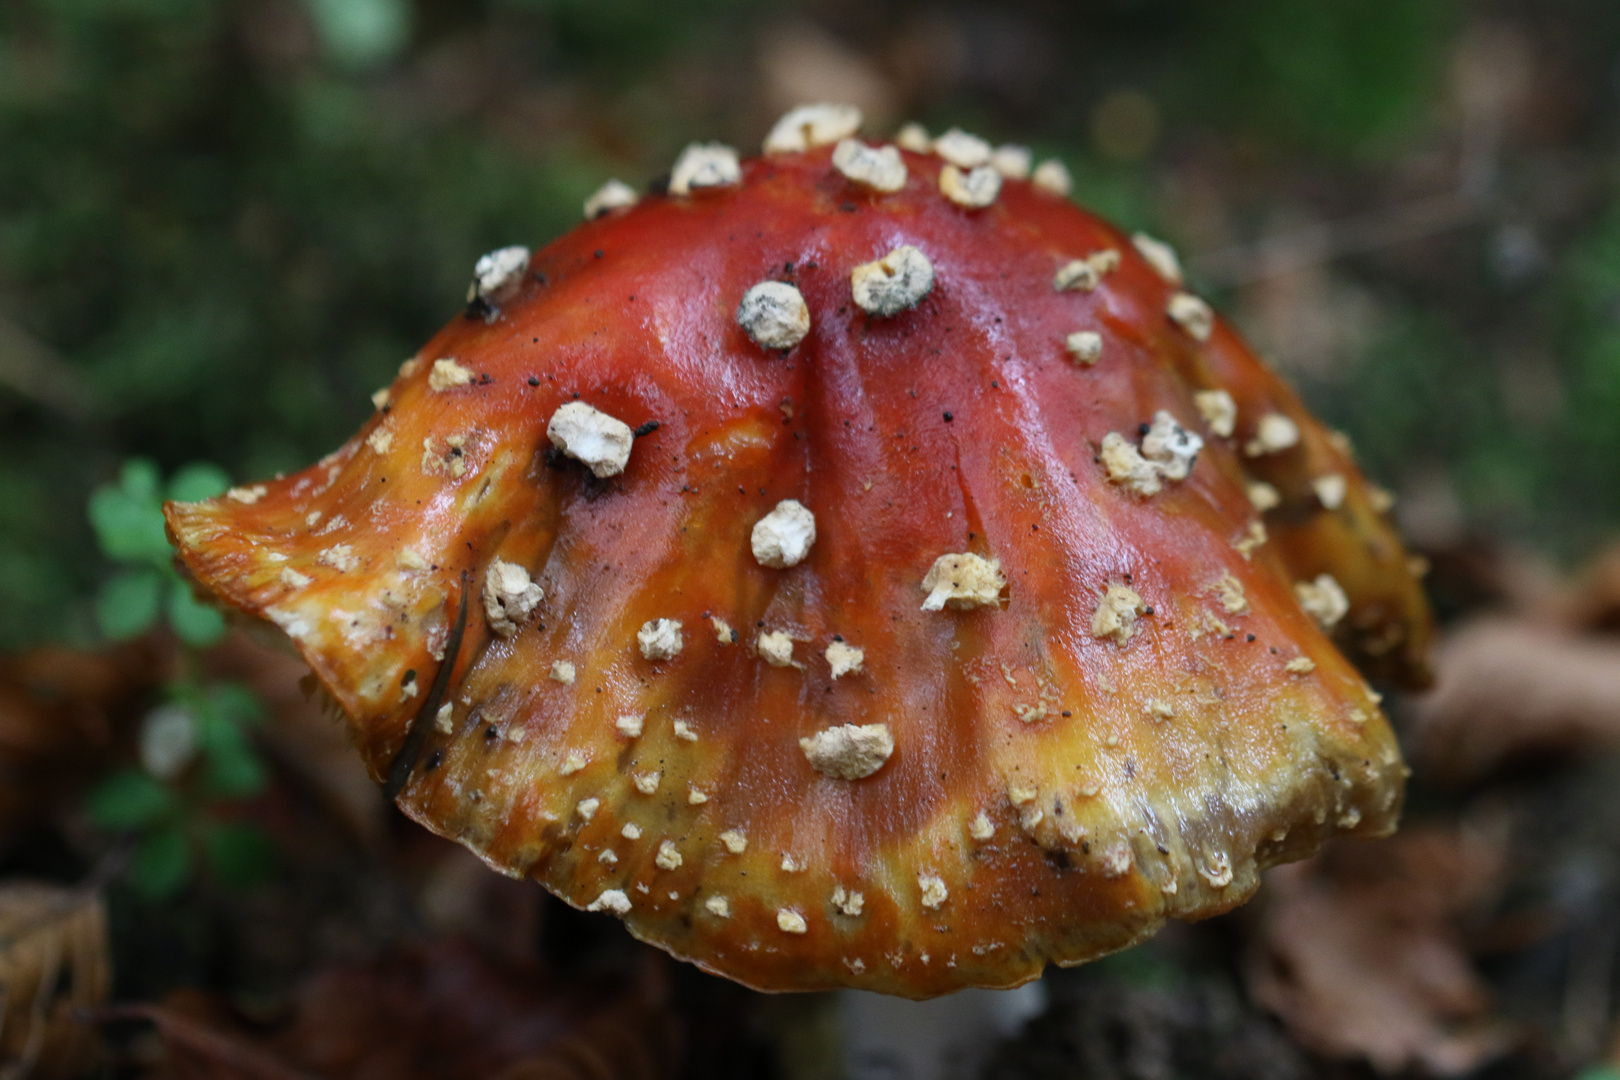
(196,755)
(195,760)
(1599,1072)
(128,519)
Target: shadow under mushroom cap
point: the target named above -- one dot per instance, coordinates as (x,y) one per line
(795,775)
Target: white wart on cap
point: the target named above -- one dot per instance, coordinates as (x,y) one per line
(1087,273)
(1323,600)
(660,639)
(775,647)
(962,580)
(704,165)
(878,167)
(613,195)
(850,751)
(446,374)
(613,901)
(1115,617)
(1192,314)
(1172,447)
(806,126)
(1012,161)
(897,282)
(509,597)
(844,659)
(1330,490)
(498,275)
(1218,409)
(974,189)
(774,314)
(1159,255)
(1262,495)
(1084,346)
(962,150)
(914,137)
(1167,453)
(1273,434)
(592,437)
(1052,177)
(782,538)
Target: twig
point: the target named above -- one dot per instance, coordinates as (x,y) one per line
(399,773)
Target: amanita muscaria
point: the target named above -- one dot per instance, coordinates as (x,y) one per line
(878,572)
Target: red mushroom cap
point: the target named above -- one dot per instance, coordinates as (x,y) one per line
(845,585)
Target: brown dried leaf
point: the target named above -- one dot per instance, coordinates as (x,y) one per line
(435,1011)
(1508,687)
(1595,600)
(457,896)
(61,714)
(198,1047)
(53,966)
(630,1040)
(1358,952)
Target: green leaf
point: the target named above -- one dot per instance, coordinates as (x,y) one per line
(361,33)
(234,703)
(129,527)
(240,854)
(128,604)
(140,480)
(1142,968)
(129,800)
(233,770)
(235,774)
(162,863)
(198,481)
(1336,75)
(1599,1072)
(196,623)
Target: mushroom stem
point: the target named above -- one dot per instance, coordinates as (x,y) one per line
(399,773)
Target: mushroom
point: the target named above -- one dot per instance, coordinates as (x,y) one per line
(1030,682)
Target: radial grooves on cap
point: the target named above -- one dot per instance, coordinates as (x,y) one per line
(893,484)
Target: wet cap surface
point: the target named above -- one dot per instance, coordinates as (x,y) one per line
(1097,728)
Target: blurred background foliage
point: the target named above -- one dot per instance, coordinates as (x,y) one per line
(224,222)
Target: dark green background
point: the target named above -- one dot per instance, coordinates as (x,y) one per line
(224,222)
